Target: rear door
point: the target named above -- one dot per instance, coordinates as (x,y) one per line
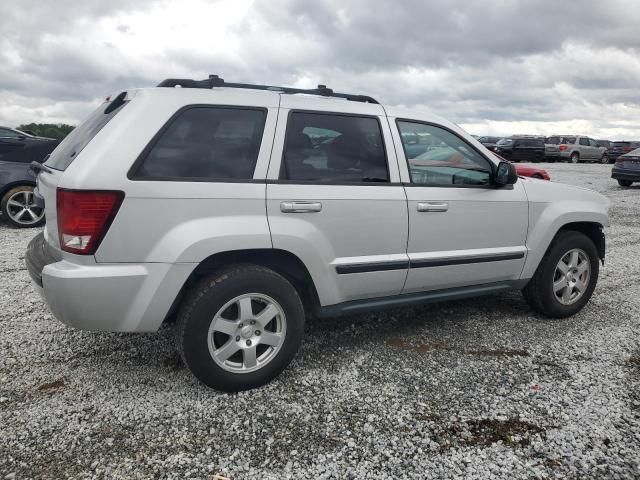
(520,151)
(334,197)
(586,152)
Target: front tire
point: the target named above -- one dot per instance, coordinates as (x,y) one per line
(239,328)
(19,209)
(566,277)
(605,159)
(625,183)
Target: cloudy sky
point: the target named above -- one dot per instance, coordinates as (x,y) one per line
(493,66)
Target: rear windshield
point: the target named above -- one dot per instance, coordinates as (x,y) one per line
(80,136)
(505,141)
(559,140)
(621,144)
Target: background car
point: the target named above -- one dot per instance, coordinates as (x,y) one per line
(521,149)
(528,170)
(604,143)
(551,151)
(627,168)
(621,148)
(533,172)
(17,146)
(489,142)
(17,181)
(577,148)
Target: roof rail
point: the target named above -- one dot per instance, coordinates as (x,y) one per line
(216,81)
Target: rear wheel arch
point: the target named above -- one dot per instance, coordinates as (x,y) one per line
(280,261)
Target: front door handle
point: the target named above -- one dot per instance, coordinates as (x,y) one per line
(433,206)
(300,207)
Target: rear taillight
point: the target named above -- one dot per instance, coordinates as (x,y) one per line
(562,148)
(84,216)
(627,149)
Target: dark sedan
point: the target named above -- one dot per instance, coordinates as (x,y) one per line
(627,168)
(17,181)
(621,148)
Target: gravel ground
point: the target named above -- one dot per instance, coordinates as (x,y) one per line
(481,388)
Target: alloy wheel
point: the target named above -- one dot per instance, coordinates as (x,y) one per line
(22,209)
(572,276)
(247,333)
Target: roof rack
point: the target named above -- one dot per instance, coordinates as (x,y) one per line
(216,81)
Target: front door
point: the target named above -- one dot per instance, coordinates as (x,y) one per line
(334,198)
(462,230)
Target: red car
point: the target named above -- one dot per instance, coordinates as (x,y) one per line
(535,172)
(527,170)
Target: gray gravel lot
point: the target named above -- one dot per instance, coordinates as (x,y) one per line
(480,388)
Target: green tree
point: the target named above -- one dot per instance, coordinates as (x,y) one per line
(51,130)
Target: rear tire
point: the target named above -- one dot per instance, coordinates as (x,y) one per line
(240,327)
(545,292)
(575,157)
(19,210)
(625,183)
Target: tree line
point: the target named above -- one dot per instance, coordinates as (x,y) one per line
(50,130)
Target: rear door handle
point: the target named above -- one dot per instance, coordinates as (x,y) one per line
(300,207)
(433,206)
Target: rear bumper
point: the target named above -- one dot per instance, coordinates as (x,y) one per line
(625,174)
(107,297)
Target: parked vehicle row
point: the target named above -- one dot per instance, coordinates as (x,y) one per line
(277,203)
(561,148)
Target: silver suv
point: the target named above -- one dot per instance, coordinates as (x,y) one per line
(240,209)
(575,149)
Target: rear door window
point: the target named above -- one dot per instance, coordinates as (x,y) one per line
(72,145)
(328,148)
(205,144)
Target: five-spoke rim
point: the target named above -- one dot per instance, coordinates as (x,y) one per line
(247,333)
(22,209)
(571,277)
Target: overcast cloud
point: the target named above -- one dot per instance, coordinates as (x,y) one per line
(493,66)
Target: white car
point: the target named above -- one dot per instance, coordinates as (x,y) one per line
(240,209)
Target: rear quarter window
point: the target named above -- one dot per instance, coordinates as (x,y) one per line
(72,145)
(204,143)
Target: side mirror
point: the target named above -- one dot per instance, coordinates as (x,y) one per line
(505,174)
